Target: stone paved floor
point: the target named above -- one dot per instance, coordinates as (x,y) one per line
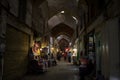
(63,71)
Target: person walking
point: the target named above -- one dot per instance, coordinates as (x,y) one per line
(65,56)
(69,56)
(100,76)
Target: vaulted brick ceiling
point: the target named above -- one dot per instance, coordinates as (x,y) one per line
(56,6)
(62,29)
(62,23)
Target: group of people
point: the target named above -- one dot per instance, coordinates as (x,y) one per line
(38,60)
(86,66)
(68,56)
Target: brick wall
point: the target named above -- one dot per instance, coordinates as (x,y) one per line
(15,58)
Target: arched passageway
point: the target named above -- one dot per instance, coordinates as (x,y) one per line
(88,28)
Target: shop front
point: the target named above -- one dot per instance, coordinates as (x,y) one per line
(90,46)
(15,57)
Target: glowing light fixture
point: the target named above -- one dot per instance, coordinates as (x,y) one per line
(62,11)
(40,49)
(52,48)
(75,19)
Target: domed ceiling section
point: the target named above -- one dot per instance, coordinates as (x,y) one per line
(71,21)
(62,11)
(56,6)
(62,29)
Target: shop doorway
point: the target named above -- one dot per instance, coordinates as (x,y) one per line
(90,46)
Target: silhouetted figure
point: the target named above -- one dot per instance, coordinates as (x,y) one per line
(90,67)
(83,68)
(58,56)
(82,71)
(69,56)
(65,56)
(54,62)
(100,76)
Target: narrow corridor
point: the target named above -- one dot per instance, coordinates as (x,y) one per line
(63,71)
(36,33)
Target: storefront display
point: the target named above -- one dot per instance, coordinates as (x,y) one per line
(91,46)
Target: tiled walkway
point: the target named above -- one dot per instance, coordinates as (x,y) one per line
(63,71)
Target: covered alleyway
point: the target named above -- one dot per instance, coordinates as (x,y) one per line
(34,34)
(63,71)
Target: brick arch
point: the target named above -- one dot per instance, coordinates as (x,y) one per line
(61,19)
(62,29)
(63,43)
